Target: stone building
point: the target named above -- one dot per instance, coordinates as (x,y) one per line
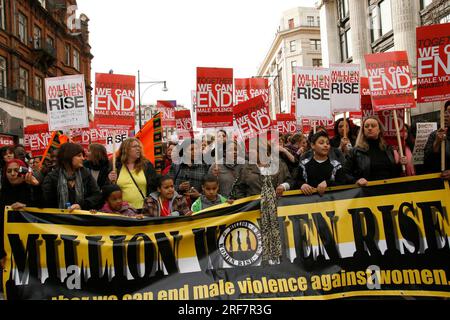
(38,39)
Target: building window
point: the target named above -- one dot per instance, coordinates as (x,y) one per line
(3,73)
(380,19)
(346,45)
(425,3)
(291,23)
(2,14)
(38,89)
(310,21)
(293,45)
(76,59)
(23,34)
(318,21)
(315,44)
(67,55)
(50,42)
(23,80)
(317,62)
(343,8)
(37,37)
(293,66)
(445,19)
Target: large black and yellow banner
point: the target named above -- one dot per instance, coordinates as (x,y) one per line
(388,239)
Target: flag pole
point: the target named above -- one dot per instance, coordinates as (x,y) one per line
(443,142)
(399,139)
(345,125)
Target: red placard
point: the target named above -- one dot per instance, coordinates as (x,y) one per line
(252,117)
(286,123)
(6,140)
(167,109)
(36,138)
(308,126)
(245,89)
(390,80)
(433,63)
(293,95)
(184,124)
(386,116)
(214,97)
(114,104)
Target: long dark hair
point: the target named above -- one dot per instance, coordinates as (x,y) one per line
(98,154)
(66,154)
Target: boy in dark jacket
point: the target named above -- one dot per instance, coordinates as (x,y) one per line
(319,172)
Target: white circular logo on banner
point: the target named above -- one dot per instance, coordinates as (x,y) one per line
(241,244)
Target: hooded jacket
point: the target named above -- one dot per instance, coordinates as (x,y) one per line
(178,206)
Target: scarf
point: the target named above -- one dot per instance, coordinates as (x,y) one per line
(269,224)
(63,188)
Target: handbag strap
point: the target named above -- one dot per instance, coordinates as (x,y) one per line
(132,178)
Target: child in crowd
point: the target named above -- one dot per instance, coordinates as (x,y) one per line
(166,201)
(210,196)
(112,196)
(318,172)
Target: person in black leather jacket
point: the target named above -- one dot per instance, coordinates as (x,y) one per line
(71,183)
(371,158)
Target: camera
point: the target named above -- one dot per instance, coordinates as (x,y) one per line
(23,170)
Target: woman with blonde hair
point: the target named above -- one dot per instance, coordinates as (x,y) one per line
(134,174)
(371,158)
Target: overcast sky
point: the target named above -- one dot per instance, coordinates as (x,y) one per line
(167,40)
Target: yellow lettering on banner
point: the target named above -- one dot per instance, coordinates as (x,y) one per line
(336,280)
(302,284)
(427,276)
(273,288)
(362,280)
(315,283)
(162,295)
(292,286)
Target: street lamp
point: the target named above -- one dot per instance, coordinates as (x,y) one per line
(151,83)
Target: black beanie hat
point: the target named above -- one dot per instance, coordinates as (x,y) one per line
(108,189)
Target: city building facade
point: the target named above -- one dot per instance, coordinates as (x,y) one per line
(38,39)
(297,43)
(351,29)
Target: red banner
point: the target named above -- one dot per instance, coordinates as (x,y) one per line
(167,109)
(433,63)
(293,95)
(252,117)
(36,138)
(286,123)
(214,97)
(114,104)
(390,81)
(245,89)
(386,116)
(308,126)
(6,140)
(184,124)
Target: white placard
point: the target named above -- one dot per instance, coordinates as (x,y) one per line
(345,88)
(423,132)
(313,93)
(66,102)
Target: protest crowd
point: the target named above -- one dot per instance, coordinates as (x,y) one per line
(76,179)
